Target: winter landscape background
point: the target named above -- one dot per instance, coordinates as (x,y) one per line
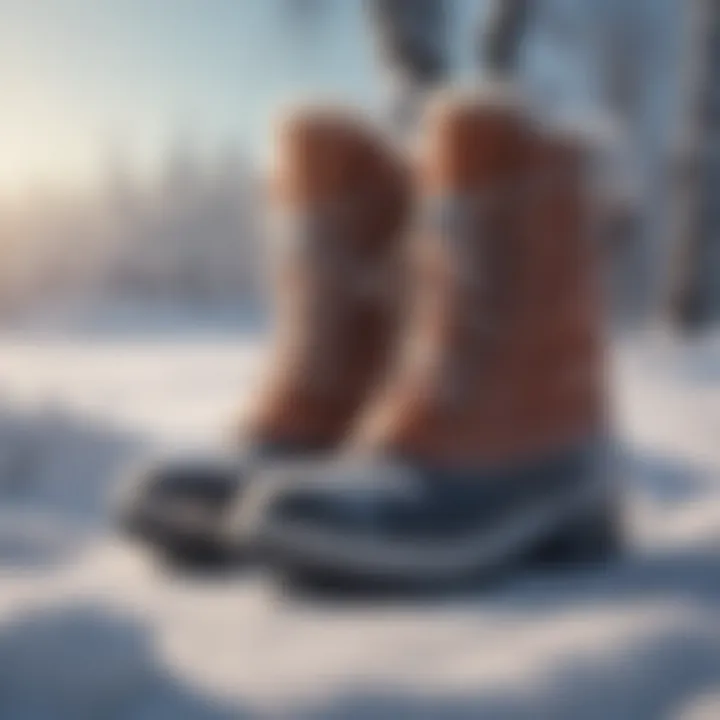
(132,311)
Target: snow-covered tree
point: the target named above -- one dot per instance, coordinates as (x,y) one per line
(189,235)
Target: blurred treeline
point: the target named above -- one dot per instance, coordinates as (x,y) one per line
(184,233)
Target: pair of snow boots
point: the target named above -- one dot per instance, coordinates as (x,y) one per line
(435,406)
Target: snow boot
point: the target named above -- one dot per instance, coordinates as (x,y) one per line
(341,195)
(489,441)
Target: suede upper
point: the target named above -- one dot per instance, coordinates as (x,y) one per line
(343,194)
(502,356)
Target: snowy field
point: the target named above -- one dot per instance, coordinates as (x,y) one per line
(90,631)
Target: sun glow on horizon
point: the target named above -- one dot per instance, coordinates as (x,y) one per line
(84,83)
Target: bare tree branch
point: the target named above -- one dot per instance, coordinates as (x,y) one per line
(500,37)
(695,291)
(412,37)
(412,42)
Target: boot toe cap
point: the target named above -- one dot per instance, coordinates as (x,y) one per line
(181,496)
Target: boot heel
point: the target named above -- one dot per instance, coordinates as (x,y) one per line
(596,538)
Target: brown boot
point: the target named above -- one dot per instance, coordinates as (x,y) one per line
(489,440)
(504,356)
(341,195)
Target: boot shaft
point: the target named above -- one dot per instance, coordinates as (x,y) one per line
(503,356)
(341,195)
(556,332)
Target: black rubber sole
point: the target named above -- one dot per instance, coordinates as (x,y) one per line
(596,539)
(591,542)
(582,527)
(175,549)
(193,556)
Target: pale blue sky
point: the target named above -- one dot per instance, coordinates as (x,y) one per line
(78,77)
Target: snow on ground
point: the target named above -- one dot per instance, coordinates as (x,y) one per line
(90,630)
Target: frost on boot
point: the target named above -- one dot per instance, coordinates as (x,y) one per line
(489,439)
(338,199)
